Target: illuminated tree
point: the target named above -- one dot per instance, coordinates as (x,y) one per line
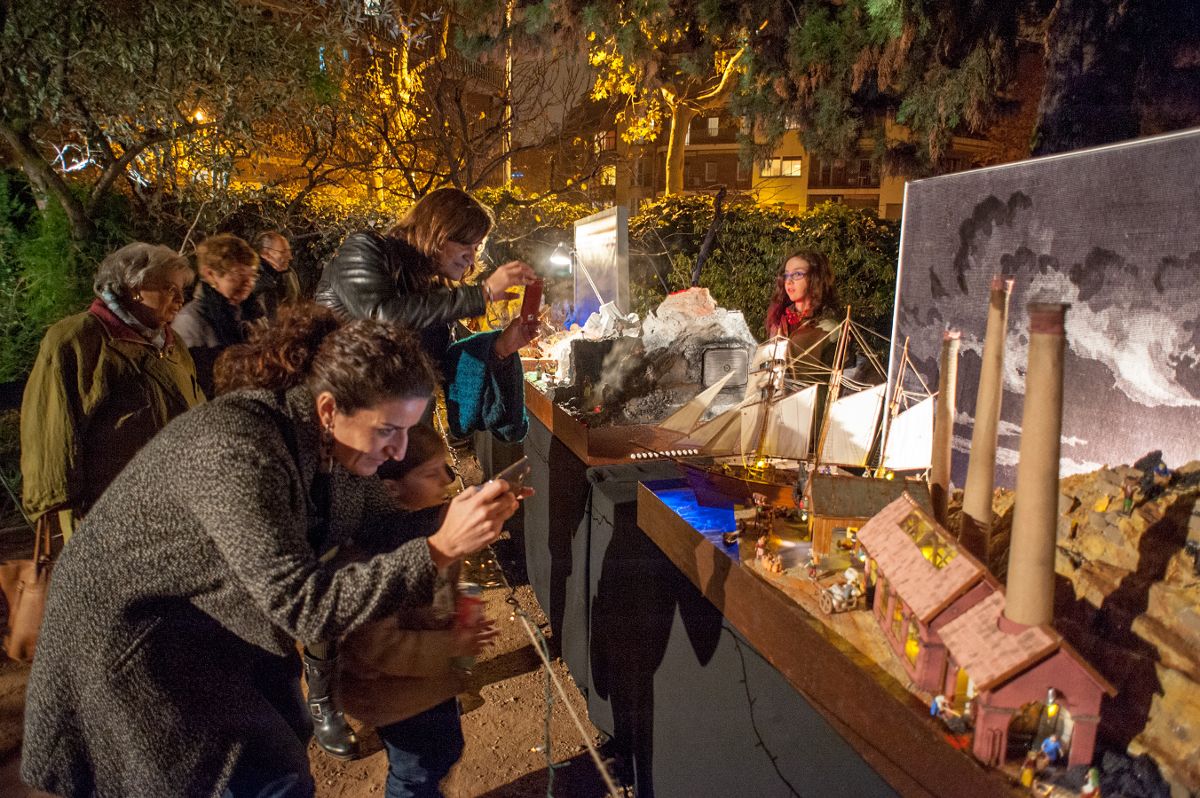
(146,97)
(663,60)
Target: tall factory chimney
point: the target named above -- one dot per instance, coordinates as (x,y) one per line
(943,424)
(1029,598)
(975,530)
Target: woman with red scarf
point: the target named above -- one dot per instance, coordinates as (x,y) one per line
(803,309)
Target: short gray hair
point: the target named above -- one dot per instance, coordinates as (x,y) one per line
(125,271)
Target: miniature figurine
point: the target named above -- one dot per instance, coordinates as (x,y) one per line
(1127,490)
(772,563)
(1049,752)
(1091,785)
(844,596)
(939,705)
(760,547)
(1029,769)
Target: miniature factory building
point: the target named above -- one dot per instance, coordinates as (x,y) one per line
(922,581)
(942,613)
(839,505)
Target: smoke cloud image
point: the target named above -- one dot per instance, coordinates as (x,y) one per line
(1114,232)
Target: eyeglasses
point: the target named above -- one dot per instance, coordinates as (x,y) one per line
(794,277)
(170,289)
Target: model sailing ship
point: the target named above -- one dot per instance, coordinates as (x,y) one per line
(765,444)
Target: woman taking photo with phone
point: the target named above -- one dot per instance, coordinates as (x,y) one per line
(167,662)
(413,275)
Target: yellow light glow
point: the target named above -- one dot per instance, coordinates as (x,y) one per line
(761,464)
(198,116)
(889,475)
(1051,710)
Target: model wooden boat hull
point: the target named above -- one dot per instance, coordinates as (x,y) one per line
(717,486)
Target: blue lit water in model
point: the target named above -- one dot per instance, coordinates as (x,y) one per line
(710,522)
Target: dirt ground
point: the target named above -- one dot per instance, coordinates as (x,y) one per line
(504,721)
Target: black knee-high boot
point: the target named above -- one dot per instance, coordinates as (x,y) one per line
(332,733)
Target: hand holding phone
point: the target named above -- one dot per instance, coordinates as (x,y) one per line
(532,302)
(516,475)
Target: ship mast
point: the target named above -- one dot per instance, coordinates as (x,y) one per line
(835,384)
(893,404)
(778,366)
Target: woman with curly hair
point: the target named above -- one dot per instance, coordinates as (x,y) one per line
(167,663)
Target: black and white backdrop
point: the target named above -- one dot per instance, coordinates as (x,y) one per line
(1114,232)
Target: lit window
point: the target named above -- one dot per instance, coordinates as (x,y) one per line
(714,126)
(933,547)
(604,141)
(912,646)
(608,175)
(791,166)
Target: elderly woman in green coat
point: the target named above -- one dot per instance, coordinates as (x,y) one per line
(104,382)
(167,662)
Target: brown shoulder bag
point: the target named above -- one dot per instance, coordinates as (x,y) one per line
(25,583)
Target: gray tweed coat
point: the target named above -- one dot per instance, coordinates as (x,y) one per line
(189,573)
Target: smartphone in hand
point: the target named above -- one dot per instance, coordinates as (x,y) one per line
(532,301)
(516,475)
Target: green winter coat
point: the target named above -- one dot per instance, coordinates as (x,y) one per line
(98,392)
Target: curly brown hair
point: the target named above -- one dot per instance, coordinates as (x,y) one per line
(360,362)
(821,292)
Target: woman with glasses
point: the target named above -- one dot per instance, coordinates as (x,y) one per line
(104,382)
(803,309)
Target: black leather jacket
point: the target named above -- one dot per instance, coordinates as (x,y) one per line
(383,278)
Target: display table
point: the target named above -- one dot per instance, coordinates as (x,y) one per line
(710,681)
(852,707)
(557,522)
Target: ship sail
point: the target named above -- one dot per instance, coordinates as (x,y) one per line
(853,421)
(684,419)
(719,435)
(789,424)
(762,372)
(910,438)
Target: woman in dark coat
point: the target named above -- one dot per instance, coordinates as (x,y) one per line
(167,661)
(412,274)
(212,321)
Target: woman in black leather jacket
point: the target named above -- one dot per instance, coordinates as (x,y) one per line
(411,274)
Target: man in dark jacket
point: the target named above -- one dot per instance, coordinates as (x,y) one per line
(278,284)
